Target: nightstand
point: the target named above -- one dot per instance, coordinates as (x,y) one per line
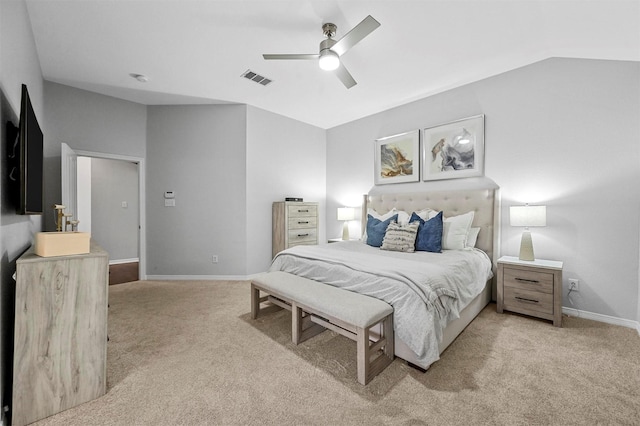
(531,287)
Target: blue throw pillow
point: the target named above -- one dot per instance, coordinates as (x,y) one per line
(429,236)
(377,228)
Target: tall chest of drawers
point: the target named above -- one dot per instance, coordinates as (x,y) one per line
(294,223)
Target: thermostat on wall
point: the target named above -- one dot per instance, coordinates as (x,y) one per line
(169,194)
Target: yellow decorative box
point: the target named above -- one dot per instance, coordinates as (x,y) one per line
(50,244)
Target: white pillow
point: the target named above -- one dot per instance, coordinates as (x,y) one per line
(455,231)
(403,217)
(427,214)
(380,217)
(472,237)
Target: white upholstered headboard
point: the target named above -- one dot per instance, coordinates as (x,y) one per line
(484,202)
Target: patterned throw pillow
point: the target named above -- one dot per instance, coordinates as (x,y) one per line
(400,238)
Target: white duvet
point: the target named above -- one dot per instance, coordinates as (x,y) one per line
(426,290)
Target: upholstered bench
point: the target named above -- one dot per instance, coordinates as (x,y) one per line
(315,307)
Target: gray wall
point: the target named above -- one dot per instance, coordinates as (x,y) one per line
(563,132)
(285,158)
(212,156)
(199,153)
(18,65)
(90,122)
(115,227)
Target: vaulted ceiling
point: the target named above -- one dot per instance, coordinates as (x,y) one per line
(195,51)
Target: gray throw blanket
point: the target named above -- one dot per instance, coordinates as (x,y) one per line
(426,290)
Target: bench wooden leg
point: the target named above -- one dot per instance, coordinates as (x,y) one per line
(296,323)
(368,369)
(301,326)
(363,355)
(387,330)
(255,301)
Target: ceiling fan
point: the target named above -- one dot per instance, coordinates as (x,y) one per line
(331,50)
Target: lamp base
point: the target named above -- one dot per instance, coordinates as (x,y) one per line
(345,231)
(526,247)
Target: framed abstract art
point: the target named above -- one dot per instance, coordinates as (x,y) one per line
(453,150)
(397,158)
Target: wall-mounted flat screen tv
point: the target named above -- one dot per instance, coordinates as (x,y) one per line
(31,159)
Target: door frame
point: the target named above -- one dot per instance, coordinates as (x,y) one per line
(142,240)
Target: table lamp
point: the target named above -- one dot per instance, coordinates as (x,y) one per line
(527,216)
(346,214)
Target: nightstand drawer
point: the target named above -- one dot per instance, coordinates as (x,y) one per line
(527,301)
(528,280)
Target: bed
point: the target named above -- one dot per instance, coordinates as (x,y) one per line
(434,295)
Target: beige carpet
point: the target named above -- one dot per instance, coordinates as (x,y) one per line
(187,353)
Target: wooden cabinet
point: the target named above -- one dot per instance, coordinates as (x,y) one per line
(531,288)
(294,223)
(60,334)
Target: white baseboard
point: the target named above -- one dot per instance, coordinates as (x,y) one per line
(197,277)
(602,318)
(121,261)
(201,277)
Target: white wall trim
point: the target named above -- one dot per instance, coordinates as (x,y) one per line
(197,277)
(121,261)
(602,318)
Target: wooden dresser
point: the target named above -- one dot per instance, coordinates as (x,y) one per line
(530,287)
(294,223)
(60,337)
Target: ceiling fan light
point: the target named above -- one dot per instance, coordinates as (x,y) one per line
(329,60)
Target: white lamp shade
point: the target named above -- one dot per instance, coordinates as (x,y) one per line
(528,215)
(346,213)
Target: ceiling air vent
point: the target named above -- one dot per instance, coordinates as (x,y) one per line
(250,75)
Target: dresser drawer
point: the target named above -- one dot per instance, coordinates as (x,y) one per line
(303,222)
(302,211)
(528,280)
(303,236)
(527,301)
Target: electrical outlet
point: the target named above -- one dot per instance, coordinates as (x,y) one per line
(574,284)
(214,258)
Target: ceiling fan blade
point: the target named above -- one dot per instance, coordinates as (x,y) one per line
(354,36)
(345,77)
(291,56)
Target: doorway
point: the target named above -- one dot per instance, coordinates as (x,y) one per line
(112,204)
(108,197)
